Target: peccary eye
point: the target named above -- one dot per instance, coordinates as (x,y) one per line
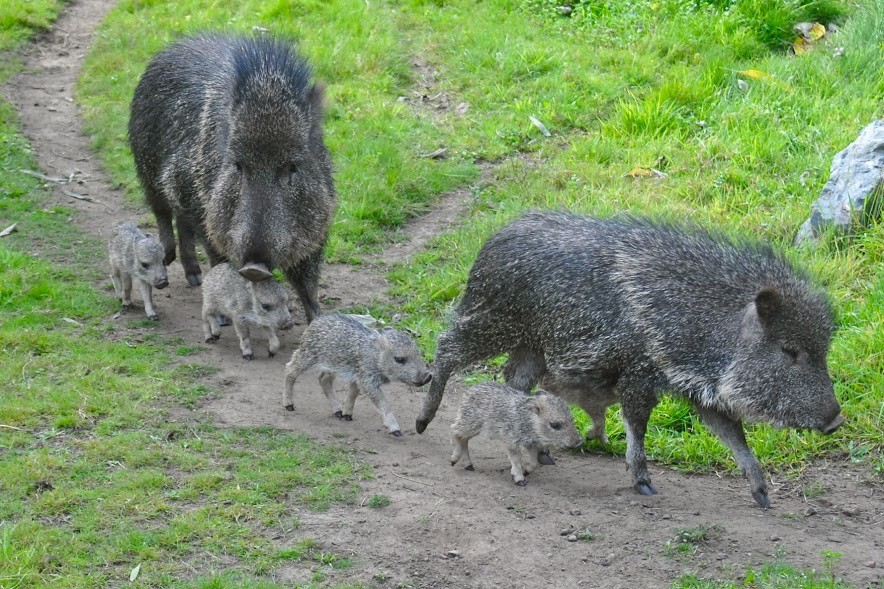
(238,167)
(556,425)
(791,352)
(400,359)
(293,170)
(266,307)
(145,265)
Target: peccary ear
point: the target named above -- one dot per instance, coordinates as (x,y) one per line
(768,302)
(316,99)
(534,404)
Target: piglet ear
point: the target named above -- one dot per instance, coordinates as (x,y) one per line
(768,303)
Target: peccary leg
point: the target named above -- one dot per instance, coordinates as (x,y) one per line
(245,344)
(272,342)
(636,408)
(147,297)
(164,227)
(187,248)
(515,455)
(299,364)
(350,400)
(524,369)
(327,382)
(211,331)
(118,283)
(304,278)
(597,412)
(731,433)
(383,406)
(127,291)
(461,449)
(455,349)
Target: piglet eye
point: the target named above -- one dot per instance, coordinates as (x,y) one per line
(145,265)
(266,307)
(399,359)
(556,425)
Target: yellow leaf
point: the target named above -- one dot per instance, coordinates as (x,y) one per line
(799,46)
(818,31)
(655,6)
(640,172)
(754,74)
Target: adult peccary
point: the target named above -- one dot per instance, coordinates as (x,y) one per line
(526,424)
(136,256)
(341,345)
(247,304)
(603,309)
(227,137)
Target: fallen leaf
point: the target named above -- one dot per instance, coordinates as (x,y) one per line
(800,46)
(462,108)
(8,230)
(640,172)
(436,154)
(540,126)
(817,32)
(71,321)
(742,85)
(134,574)
(754,74)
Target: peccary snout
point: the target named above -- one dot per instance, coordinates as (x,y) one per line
(255,272)
(161,283)
(833,425)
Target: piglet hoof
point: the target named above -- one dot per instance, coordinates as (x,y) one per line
(396,434)
(212,339)
(520,483)
(248,356)
(470,467)
(194,279)
(223,320)
(271,354)
(543,457)
(348,418)
(761,498)
(289,407)
(126,308)
(153,318)
(339,415)
(645,489)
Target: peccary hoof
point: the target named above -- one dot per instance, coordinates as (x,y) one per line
(397,434)
(126,308)
(271,354)
(153,318)
(348,418)
(194,279)
(212,339)
(223,320)
(339,415)
(761,498)
(248,356)
(289,407)
(543,457)
(520,483)
(420,425)
(470,467)
(645,489)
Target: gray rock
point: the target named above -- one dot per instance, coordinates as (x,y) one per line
(853,193)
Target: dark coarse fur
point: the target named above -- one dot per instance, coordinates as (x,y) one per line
(227,137)
(627,309)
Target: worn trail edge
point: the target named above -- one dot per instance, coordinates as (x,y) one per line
(502,536)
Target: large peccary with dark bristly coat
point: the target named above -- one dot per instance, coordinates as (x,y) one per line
(227,137)
(627,309)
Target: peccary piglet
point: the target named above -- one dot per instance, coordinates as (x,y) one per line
(227,136)
(526,424)
(367,358)
(624,310)
(136,256)
(247,304)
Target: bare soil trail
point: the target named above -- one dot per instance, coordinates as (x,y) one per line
(446,527)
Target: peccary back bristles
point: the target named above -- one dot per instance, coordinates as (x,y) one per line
(627,309)
(226,131)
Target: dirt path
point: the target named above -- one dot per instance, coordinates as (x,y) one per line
(502,536)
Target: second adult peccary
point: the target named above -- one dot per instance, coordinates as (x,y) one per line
(622,309)
(247,304)
(136,257)
(526,424)
(341,345)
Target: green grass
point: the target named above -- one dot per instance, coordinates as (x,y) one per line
(775,575)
